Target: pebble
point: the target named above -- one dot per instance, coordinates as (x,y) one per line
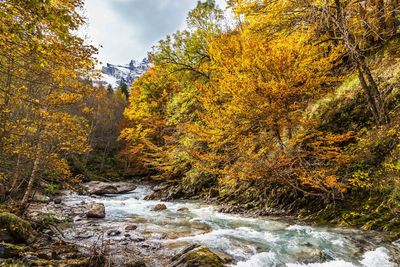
(113,232)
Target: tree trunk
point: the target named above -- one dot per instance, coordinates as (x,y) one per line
(16,175)
(368,95)
(104,156)
(372,93)
(32,178)
(367,81)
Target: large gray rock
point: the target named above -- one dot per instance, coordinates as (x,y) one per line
(96,210)
(102,188)
(123,187)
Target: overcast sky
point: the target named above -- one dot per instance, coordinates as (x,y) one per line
(127,29)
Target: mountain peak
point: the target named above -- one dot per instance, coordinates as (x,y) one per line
(115,74)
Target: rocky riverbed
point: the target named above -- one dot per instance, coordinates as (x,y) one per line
(114,224)
(133,231)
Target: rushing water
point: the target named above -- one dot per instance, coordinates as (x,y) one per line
(251,242)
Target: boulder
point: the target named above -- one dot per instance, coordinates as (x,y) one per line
(102,188)
(196,255)
(14,226)
(159,207)
(98,188)
(124,187)
(96,210)
(184,209)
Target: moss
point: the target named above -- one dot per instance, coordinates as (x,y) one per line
(76,263)
(18,228)
(39,262)
(10,250)
(203,257)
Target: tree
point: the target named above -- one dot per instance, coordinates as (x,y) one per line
(110,89)
(361,26)
(254,111)
(42,65)
(144,131)
(178,61)
(123,87)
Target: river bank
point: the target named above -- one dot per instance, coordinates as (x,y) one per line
(133,232)
(363,211)
(132,228)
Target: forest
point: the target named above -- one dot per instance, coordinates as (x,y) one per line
(287,107)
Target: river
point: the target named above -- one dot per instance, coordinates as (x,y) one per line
(251,242)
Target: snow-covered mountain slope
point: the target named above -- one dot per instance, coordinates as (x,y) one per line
(114,74)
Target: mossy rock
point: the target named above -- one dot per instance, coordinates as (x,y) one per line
(18,228)
(10,250)
(76,263)
(39,262)
(202,257)
(197,256)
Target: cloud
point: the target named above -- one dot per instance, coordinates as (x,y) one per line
(127,29)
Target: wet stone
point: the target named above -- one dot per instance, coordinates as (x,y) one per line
(183,209)
(113,232)
(137,238)
(130,227)
(159,207)
(97,210)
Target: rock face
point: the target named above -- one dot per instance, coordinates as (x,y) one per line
(115,74)
(159,207)
(96,210)
(102,188)
(196,255)
(15,227)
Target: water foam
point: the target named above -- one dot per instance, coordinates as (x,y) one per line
(378,257)
(337,263)
(260,259)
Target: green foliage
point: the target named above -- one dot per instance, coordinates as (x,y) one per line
(20,229)
(196,180)
(123,87)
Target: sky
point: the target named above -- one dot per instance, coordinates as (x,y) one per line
(127,29)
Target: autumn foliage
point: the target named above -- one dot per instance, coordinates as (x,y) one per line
(43,71)
(232,104)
